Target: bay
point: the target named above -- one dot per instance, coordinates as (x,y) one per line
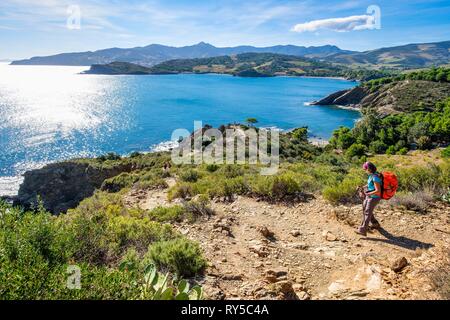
(52,113)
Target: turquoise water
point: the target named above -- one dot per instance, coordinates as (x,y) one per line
(53,113)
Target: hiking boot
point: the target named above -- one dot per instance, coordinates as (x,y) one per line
(360,232)
(376,225)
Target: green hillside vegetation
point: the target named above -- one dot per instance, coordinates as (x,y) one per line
(245,65)
(395,134)
(115,246)
(400,57)
(117,68)
(441,74)
(405,96)
(409,91)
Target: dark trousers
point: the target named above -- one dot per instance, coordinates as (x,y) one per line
(369,205)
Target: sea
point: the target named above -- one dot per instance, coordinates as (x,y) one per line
(53,113)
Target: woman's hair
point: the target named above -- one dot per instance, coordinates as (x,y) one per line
(369,165)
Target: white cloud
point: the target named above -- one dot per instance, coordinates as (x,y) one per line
(351,23)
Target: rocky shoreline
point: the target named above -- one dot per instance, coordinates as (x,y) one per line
(61,186)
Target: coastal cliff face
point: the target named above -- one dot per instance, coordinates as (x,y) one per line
(397,97)
(61,186)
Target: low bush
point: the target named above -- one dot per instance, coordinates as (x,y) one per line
(109,156)
(446,152)
(167,214)
(417,178)
(276,187)
(345,191)
(189,175)
(195,209)
(416,201)
(356,150)
(180,256)
(117,183)
(181,191)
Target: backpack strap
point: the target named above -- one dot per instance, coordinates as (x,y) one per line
(380,175)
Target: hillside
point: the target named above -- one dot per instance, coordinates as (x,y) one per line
(407,92)
(155,53)
(397,97)
(214,226)
(406,56)
(242,65)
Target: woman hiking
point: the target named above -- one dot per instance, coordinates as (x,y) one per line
(372,196)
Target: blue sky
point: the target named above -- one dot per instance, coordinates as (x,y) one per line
(29,28)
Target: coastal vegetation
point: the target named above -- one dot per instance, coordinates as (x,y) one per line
(397,133)
(441,74)
(245,65)
(405,92)
(102,237)
(115,245)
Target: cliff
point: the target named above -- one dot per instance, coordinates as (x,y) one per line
(61,186)
(391,98)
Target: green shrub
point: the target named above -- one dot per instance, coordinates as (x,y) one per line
(345,191)
(109,156)
(232,186)
(119,182)
(181,191)
(356,150)
(424,143)
(180,256)
(402,151)
(391,150)
(195,209)
(417,201)
(418,178)
(445,153)
(231,170)
(212,167)
(152,179)
(135,154)
(103,229)
(279,187)
(167,214)
(378,147)
(190,175)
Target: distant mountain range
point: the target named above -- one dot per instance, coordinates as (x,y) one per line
(409,56)
(155,53)
(406,56)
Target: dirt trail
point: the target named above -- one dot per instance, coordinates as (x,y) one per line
(258,250)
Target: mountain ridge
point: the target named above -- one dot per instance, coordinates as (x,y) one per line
(155,53)
(413,55)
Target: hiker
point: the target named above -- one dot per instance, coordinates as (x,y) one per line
(372,196)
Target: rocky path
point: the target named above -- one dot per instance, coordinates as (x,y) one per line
(258,250)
